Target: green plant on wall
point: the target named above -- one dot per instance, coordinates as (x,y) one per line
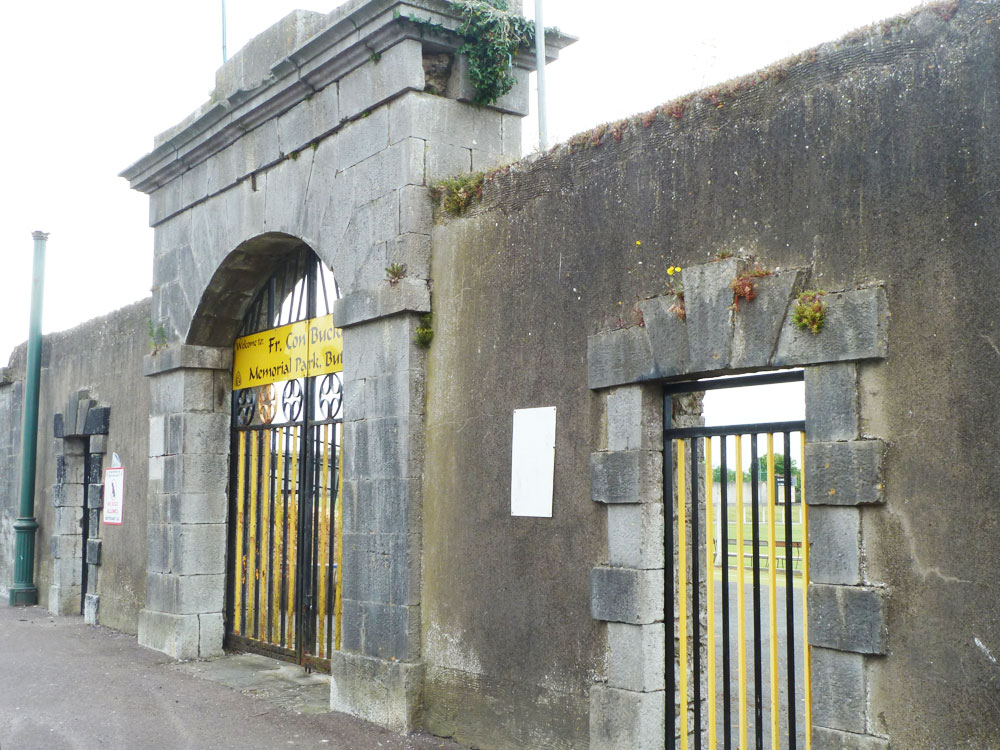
(492,36)
(425,331)
(456,193)
(394,272)
(745,285)
(157,336)
(810,310)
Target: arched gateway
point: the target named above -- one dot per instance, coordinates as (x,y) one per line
(286,461)
(320,142)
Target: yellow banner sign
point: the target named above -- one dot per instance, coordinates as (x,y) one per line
(303,349)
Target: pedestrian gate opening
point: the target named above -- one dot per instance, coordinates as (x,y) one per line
(283,592)
(738,662)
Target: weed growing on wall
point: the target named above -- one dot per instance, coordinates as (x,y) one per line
(745,285)
(810,310)
(425,331)
(676,287)
(394,272)
(157,336)
(456,194)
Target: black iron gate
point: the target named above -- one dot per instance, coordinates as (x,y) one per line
(724,634)
(283,587)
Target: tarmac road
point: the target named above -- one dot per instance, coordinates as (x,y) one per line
(66,685)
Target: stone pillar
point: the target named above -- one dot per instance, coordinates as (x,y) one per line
(628,710)
(378,674)
(66,542)
(847,612)
(188,472)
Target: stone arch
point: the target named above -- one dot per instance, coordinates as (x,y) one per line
(234,284)
(843,469)
(189,446)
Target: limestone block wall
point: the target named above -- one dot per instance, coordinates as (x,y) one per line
(326,131)
(864,168)
(93,400)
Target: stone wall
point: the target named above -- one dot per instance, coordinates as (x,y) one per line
(93,370)
(866,168)
(325,131)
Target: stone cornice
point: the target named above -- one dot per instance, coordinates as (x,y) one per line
(355,32)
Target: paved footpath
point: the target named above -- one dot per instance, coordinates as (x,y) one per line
(64,684)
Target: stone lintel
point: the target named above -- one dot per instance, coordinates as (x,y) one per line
(708,341)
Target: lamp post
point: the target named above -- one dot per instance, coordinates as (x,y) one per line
(24,592)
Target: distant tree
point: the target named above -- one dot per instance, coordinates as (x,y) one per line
(717,475)
(779,470)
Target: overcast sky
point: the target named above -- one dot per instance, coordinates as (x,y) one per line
(88,85)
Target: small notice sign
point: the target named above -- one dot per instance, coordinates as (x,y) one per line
(533,462)
(114,492)
(303,349)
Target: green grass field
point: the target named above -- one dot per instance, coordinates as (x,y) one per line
(779,532)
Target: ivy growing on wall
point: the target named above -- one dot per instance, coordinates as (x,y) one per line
(491,36)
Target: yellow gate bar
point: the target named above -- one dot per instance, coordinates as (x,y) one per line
(293,536)
(339,532)
(710,587)
(279,536)
(772,594)
(740,590)
(324,541)
(807,661)
(265,533)
(682,591)
(239,558)
(252,544)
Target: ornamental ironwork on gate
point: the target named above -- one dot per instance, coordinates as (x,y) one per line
(284,584)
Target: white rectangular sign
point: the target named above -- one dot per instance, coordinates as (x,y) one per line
(533,461)
(114,492)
